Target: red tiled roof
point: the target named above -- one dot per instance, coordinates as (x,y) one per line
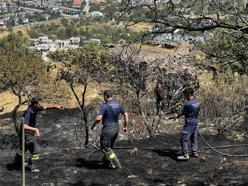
(76,3)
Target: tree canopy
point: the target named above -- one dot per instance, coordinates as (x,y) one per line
(226,20)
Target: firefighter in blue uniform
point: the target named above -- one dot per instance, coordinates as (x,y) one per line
(109,114)
(190,111)
(31,134)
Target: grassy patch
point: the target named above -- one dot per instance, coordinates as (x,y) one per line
(21,28)
(141,27)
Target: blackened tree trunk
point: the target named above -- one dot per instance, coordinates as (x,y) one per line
(83,112)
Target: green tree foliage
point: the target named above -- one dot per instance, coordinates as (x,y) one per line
(19,67)
(82,66)
(191,17)
(85,29)
(66,3)
(229,49)
(24,72)
(34,34)
(64,22)
(69,32)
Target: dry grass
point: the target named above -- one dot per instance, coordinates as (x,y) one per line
(8,101)
(200,57)
(155,49)
(91,95)
(21,28)
(94,94)
(24,29)
(140,27)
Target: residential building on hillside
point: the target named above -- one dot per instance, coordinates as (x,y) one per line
(95,14)
(76,3)
(46,44)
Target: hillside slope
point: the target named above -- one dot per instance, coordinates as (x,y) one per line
(145,162)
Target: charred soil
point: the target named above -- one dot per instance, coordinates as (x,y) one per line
(64,161)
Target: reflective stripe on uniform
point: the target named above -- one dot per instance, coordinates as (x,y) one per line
(35,157)
(109,157)
(112,156)
(19,152)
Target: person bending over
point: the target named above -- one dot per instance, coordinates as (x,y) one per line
(31,133)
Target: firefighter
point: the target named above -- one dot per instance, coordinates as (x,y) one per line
(190,111)
(109,114)
(196,83)
(187,76)
(31,134)
(160,95)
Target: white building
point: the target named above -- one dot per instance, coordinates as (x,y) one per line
(61,44)
(2,25)
(95,14)
(2,22)
(3,7)
(46,44)
(24,20)
(66,44)
(74,42)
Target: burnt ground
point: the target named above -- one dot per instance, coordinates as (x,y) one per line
(153,162)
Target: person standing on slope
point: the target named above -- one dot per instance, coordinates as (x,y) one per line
(31,133)
(190,111)
(109,114)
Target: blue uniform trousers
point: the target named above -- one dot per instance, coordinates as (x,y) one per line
(189,133)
